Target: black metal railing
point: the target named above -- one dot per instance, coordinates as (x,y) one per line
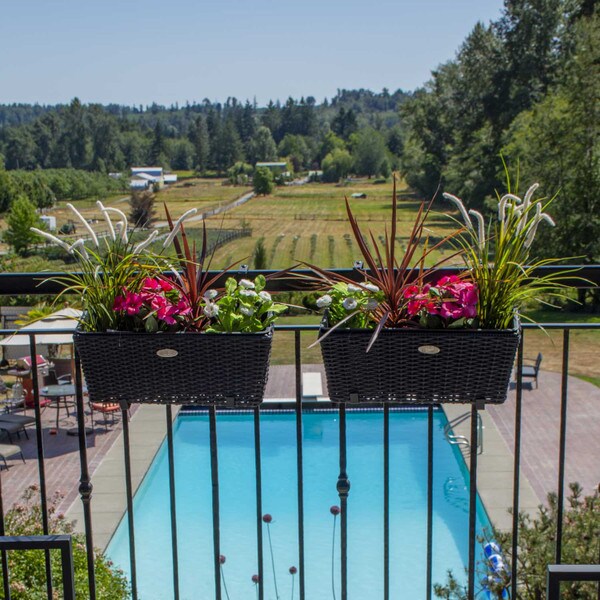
(29,284)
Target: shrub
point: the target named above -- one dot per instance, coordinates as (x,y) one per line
(263,181)
(537,541)
(27,568)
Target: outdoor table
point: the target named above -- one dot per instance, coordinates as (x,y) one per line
(57,392)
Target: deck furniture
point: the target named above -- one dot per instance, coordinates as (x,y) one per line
(105,408)
(9,450)
(532,371)
(11,428)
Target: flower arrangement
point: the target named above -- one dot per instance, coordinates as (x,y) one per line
(383,299)
(125,287)
(159,329)
(498,256)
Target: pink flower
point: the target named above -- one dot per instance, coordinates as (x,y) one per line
(411,290)
(183,307)
(165,314)
(130,304)
(451,310)
(448,279)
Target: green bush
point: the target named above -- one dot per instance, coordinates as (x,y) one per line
(27,568)
(537,544)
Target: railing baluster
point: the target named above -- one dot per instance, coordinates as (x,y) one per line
(472,502)
(429,501)
(85,485)
(343,488)
(214,473)
(562,446)
(5,573)
(299,461)
(259,523)
(386,501)
(517,472)
(172,501)
(129,492)
(40,452)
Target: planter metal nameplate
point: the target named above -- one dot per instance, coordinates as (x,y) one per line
(429,350)
(167,353)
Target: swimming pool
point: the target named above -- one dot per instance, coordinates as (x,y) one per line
(408,507)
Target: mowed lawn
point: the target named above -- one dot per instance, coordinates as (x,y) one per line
(309,224)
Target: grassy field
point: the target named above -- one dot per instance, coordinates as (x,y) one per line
(308,223)
(584,346)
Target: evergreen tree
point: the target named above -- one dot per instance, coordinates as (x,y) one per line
(21,217)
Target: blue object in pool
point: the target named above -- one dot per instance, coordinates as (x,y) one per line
(408,507)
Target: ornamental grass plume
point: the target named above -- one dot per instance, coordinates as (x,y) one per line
(499,258)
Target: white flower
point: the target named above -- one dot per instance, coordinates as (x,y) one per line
(349,303)
(248,293)
(265,296)
(371,287)
(353,288)
(210,294)
(324,301)
(245,310)
(372,304)
(247,284)
(211,310)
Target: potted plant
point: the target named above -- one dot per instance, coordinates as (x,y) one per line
(407,334)
(152,333)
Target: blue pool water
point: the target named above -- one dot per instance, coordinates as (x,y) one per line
(408,507)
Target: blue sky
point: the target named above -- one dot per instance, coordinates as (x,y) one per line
(135,52)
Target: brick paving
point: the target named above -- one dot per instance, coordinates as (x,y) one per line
(61,452)
(540,432)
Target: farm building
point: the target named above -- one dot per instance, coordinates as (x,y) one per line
(276,167)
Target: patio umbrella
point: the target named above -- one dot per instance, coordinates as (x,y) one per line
(66,318)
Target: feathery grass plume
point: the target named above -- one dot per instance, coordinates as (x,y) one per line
(502,266)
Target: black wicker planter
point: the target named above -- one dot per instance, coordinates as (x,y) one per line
(222,369)
(420,366)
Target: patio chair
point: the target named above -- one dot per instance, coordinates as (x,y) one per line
(17,420)
(11,428)
(9,450)
(112,409)
(532,371)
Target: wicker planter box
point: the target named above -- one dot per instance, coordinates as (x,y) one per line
(226,369)
(420,366)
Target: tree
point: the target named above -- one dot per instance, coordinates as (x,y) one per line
(8,190)
(158,148)
(141,208)
(199,137)
(260,254)
(183,155)
(263,181)
(21,217)
(262,146)
(336,165)
(369,152)
(557,143)
(228,148)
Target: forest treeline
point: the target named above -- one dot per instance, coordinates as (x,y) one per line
(525,88)
(208,136)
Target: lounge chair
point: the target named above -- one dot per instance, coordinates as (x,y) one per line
(8,450)
(532,371)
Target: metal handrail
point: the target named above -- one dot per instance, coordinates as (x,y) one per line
(462,440)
